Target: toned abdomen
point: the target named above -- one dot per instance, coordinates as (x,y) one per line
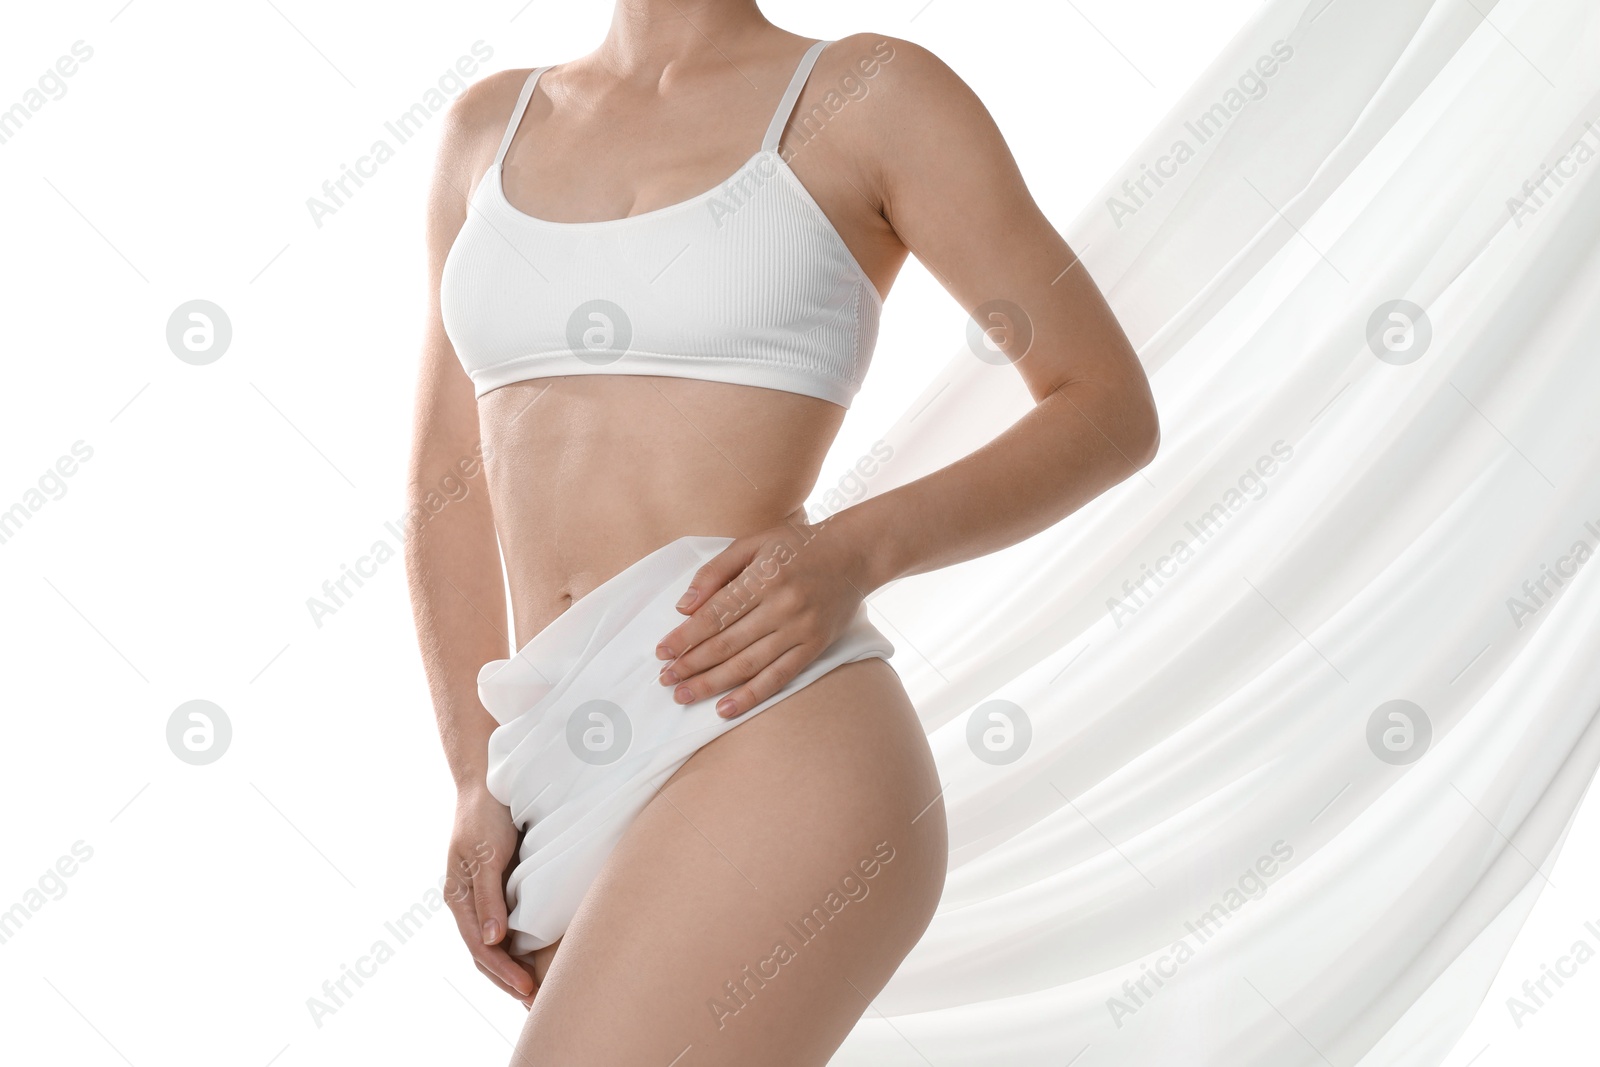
(589,474)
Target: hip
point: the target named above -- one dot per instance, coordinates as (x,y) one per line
(582,693)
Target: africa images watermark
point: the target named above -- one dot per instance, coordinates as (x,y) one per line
(451,489)
(1538,591)
(744,590)
(336,192)
(1543,187)
(51,485)
(51,885)
(852,888)
(1536,993)
(51,85)
(852,485)
(1252,485)
(739,192)
(337,992)
(1203,128)
(1252,885)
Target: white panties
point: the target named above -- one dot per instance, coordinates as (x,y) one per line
(587,734)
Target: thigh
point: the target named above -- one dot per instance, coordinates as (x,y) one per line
(763,897)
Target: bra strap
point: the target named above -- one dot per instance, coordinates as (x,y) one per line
(516,113)
(769,143)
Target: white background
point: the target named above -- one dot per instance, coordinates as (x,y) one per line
(218,498)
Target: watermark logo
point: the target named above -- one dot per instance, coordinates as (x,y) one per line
(999,732)
(1399,332)
(199,332)
(1399,732)
(599,332)
(999,332)
(599,732)
(199,732)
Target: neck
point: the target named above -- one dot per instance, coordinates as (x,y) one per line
(648,36)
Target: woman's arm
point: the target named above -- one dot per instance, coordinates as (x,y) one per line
(926,154)
(453,558)
(954,196)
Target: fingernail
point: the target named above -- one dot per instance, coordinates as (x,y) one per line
(491,932)
(688,598)
(683,695)
(663,652)
(668,677)
(726,707)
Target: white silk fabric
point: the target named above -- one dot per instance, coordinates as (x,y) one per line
(587,735)
(1224,841)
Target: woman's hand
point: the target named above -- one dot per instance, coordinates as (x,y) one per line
(483,844)
(760,611)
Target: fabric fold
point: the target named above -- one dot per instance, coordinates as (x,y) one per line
(587,734)
(1313,697)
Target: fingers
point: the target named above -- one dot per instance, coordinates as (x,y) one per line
(740,670)
(491,958)
(717,648)
(490,903)
(726,607)
(726,588)
(777,674)
(717,572)
(526,998)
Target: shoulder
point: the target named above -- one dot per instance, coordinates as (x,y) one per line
(902,73)
(898,95)
(484,108)
(472,127)
(900,113)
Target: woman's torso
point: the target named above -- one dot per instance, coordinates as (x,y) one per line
(588,473)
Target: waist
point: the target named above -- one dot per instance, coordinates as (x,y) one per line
(543,585)
(589,475)
(612,631)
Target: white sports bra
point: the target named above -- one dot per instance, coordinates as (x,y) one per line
(747,283)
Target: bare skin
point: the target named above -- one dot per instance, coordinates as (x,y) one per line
(584,475)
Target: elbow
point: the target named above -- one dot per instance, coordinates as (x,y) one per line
(1127,420)
(1123,417)
(1145,436)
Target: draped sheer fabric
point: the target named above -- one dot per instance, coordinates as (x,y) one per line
(1223,842)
